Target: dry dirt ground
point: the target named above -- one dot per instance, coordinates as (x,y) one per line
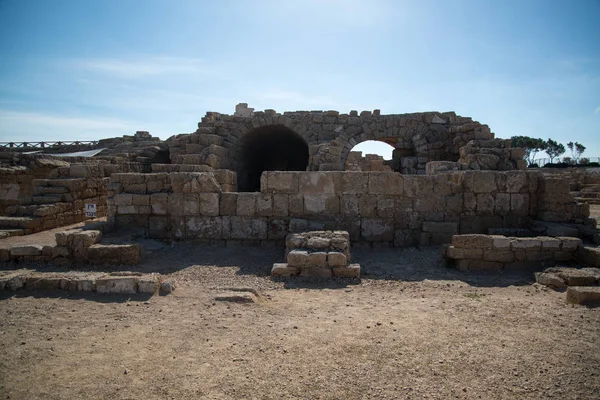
(411,329)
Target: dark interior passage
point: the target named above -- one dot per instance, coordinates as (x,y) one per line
(269,148)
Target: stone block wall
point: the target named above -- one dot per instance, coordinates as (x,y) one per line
(370,162)
(383,207)
(494,252)
(317,254)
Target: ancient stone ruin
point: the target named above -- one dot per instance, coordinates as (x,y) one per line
(268,178)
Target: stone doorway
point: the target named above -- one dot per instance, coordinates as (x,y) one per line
(269,148)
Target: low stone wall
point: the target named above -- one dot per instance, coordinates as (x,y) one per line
(113,283)
(384,207)
(494,252)
(74,246)
(317,254)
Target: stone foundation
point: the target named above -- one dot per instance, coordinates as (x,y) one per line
(495,252)
(318,254)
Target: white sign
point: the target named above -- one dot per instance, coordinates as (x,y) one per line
(90,210)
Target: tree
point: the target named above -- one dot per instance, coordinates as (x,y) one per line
(554,149)
(531,146)
(577,150)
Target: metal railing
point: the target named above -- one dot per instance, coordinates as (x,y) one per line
(46,145)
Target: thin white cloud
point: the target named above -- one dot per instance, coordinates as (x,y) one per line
(144,66)
(597,110)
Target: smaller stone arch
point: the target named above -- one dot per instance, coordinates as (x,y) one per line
(269,148)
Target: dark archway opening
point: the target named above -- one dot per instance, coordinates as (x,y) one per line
(269,148)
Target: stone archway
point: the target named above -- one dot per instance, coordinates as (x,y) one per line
(269,148)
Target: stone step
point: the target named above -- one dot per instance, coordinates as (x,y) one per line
(43,190)
(5,233)
(48,199)
(583,294)
(19,222)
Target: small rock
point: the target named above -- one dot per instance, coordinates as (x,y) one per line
(167,287)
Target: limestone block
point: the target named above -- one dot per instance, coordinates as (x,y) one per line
(126,210)
(280,205)
(248,228)
(418,185)
(440,227)
(204,227)
(114,254)
(158,203)
(377,229)
(391,183)
(550,279)
(336,259)
(473,241)
(583,294)
(318,259)
(123,199)
(209,204)
(282,182)
(284,270)
(484,182)
(148,284)
(502,204)
(498,255)
(317,183)
(318,242)
(140,200)
(353,182)
(60,251)
(500,242)
(297,258)
(228,204)
(295,241)
(351,271)
(485,204)
(41,282)
(277,229)
(246,204)
(193,182)
(519,204)
(30,250)
(316,272)
(569,243)
(459,253)
(526,244)
(117,284)
(321,203)
(264,205)
(296,204)
(367,205)
(550,243)
(385,206)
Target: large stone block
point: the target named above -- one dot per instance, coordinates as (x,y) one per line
(228,204)
(321,204)
(353,182)
(583,294)
(264,205)
(248,228)
(484,182)
(318,259)
(440,227)
(284,270)
(282,182)
(193,182)
(204,227)
(158,203)
(386,183)
(377,229)
(351,271)
(349,204)
(519,204)
(473,241)
(246,204)
(297,258)
(117,284)
(458,253)
(336,259)
(317,183)
(280,205)
(29,250)
(209,204)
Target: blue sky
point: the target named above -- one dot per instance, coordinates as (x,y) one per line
(82,70)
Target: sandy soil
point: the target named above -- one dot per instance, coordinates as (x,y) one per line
(411,329)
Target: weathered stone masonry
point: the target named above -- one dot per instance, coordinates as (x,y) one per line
(374,207)
(322,141)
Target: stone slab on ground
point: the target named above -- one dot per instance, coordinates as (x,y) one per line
(583,294)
